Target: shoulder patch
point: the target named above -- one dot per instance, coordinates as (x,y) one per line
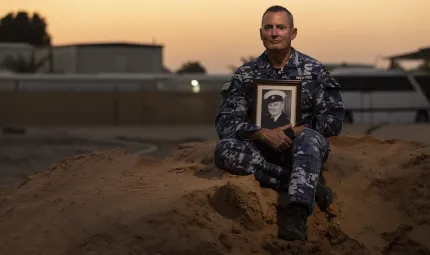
(334,83)
(226,86)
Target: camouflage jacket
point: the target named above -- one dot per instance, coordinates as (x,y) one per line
(321,103)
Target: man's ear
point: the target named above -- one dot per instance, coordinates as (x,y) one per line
(261,34)
(293,33)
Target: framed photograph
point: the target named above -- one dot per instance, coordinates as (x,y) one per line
(276,103)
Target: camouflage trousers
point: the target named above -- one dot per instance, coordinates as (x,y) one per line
(296,170)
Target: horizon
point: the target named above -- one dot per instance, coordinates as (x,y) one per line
(214,34)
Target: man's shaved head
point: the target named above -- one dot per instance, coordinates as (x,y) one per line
(278,8)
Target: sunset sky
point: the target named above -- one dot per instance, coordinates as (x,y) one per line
(218,33)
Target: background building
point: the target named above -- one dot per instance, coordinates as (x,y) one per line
(86,58)
(104,58)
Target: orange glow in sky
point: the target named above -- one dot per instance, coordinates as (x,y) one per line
(218,33)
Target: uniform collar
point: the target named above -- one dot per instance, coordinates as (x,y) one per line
(293,61)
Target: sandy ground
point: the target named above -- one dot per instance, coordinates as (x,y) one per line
(84,191)
(114,202)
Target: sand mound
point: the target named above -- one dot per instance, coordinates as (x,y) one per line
(113,202)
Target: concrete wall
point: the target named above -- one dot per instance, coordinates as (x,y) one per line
(58,108)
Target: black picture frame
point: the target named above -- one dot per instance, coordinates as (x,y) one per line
(292,100)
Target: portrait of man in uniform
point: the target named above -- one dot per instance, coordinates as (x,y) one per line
(277,113)
(276,103)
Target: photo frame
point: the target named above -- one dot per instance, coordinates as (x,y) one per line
(276,103)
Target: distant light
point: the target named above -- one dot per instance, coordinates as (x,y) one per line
(194,83)
(196,89)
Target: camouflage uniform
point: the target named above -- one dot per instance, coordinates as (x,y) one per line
(322,110)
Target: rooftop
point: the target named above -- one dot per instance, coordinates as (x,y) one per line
(15,45)
(111,44)
(423,53)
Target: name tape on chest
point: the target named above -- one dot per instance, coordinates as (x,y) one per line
(304,77)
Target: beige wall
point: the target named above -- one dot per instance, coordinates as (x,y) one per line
(107,108)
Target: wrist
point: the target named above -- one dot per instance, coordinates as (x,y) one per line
(290,133)
(251,135)
(256,135)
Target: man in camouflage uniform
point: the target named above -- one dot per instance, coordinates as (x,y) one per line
(277,160)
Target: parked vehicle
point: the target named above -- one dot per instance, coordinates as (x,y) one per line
(381,96)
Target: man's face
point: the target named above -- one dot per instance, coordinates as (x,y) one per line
(275,108)
(276,32)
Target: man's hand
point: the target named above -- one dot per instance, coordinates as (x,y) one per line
(275,138)
(298,129)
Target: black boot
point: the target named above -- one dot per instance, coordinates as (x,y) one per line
(295,226)
(323,197)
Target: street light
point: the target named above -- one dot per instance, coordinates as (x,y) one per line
(194,83)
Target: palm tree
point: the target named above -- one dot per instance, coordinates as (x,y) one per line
(20,65)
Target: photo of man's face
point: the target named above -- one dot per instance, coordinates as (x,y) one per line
(276,105)
(275,102)
(275,108)
(274,112)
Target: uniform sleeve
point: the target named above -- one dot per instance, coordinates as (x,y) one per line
(232,118)
(329,108)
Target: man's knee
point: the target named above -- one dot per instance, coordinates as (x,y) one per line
(310,142)
(219,152)
(225,150)
(309,135)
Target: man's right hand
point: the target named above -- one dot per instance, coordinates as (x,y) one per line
(275,138)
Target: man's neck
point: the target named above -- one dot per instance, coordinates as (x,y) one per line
(279,59)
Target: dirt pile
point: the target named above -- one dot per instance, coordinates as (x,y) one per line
(113,202)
